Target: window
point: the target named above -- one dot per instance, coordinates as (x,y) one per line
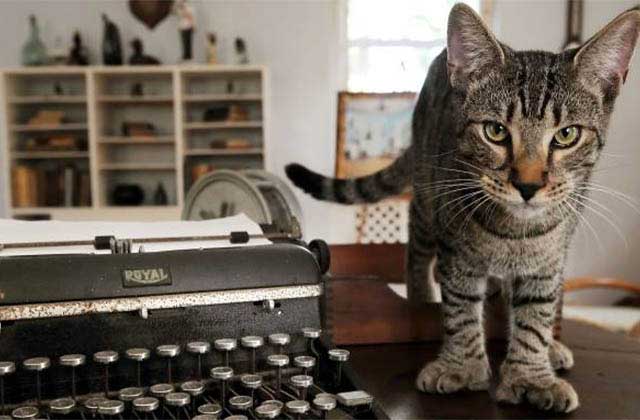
(390,44)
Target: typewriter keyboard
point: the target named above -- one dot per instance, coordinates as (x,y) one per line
(268,382)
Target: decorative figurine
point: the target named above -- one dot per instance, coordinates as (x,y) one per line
(241,51)
(187,25)
(160,197)
(138,57)
(78,55)
(34,53)
(111,46)
(212,48)
(150,12)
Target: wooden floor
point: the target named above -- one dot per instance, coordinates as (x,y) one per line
(606,377)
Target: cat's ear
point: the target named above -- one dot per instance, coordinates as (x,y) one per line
(604,59)
(471,47)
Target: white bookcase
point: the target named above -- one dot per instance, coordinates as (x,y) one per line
(96,101)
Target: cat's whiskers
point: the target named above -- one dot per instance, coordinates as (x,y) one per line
(615,227)
(624,198)
(442,194)
(461,171)
(457,200)
(468,218)
(473,202)
(586,222)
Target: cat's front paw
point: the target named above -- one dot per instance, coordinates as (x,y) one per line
(554,394)
(444,378)
(560,356)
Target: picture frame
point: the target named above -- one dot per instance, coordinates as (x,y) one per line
(373,129)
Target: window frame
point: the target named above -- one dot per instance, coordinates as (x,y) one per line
(486,11)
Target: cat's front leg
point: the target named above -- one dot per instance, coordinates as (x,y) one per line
(527,372)
(462,362)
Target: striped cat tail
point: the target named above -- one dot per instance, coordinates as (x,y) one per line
(387,182)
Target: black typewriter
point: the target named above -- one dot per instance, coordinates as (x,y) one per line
(192,334)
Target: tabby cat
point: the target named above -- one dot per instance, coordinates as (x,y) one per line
(504,143)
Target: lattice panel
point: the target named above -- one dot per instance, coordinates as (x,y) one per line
(384,222)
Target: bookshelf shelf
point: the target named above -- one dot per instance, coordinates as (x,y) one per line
(137,167)
(224,152)
(49,155)
(222,125)
(49,127)
(48,99)
(127,99)
(137,141)
(79,183)
(222,97)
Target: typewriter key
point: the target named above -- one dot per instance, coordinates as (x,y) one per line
(252,342)
(199,348)
(251,382)
(72,361)
(6,368)
(280,340)
(138,355)
(226,345)
(106,358)
(37,365)
(62,406)
(339,356)
(278,361)
(210,409)
(146,405)
(233,417)
(177,399)
(305,363)
(324,404)
(354,398)
(302,383)
(241,402)
(161,390)
(268,410)
(25,413)
(297,407)
(111,408)
(223,374)
(193,388)
(130,393)
(168,351)
(311,335)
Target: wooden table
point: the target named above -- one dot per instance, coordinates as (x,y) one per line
(606,377)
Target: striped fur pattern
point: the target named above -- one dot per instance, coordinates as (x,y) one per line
(501,210)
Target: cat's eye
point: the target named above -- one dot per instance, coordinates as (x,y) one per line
(566,137)
(495,132)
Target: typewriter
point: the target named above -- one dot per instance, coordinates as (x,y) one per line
(232,332)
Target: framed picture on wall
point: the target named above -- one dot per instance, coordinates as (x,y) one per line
(373,130)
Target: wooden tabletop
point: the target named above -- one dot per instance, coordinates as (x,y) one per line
(606,376)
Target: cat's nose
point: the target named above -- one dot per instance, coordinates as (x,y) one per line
(527,191)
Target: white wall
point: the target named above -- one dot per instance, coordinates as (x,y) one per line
(299,41)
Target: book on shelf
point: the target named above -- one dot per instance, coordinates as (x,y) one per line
(58,186)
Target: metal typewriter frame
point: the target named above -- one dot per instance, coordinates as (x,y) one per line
(143,304)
